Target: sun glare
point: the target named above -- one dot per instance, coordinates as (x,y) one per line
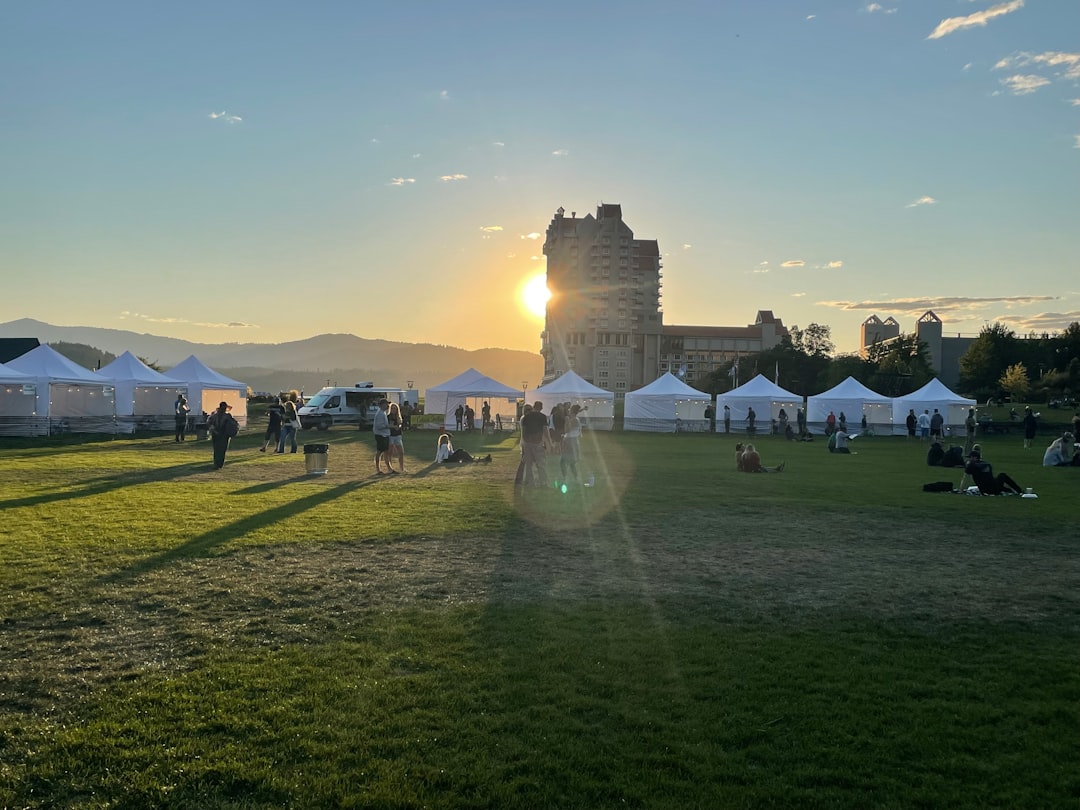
(535,295)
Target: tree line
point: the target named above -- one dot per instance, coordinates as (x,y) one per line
(998,362)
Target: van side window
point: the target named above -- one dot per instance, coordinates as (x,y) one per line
(334,402)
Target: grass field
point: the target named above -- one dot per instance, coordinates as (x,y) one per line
(679,635)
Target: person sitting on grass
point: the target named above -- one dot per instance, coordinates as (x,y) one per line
(982,473)
(838,441)
(1062,452)
(446,454)
(749,461)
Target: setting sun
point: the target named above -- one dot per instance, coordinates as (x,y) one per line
(535,295)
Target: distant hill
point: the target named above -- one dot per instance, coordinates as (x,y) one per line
(302,364)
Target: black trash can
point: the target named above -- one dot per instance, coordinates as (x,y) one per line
(200,431)
(315,458)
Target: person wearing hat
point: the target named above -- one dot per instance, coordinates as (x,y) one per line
(983,475)
(380,426)
(222,427)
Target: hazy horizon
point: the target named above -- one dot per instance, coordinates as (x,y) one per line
(262,173)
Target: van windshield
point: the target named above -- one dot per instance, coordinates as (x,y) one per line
(317,400)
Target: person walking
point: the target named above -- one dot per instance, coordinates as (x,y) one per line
(222,427)
(182,411)
(273,429)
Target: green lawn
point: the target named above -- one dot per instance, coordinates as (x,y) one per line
(679,635)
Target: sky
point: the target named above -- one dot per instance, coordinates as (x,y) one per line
(268,171)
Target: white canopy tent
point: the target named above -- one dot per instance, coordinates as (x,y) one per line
(208,388)
(764,396)
(854,400)
(598,405)
(18,394)
(472,388)
(935,394)
(69,397)
(666,405)
(145,398)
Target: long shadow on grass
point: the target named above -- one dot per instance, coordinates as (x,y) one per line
(107,483)
(204,543)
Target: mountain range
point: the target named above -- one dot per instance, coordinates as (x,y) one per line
(306,365)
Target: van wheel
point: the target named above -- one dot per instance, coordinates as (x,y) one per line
(324,423)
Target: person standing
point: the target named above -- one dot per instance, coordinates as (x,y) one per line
(485,416)
(381,428)
(273,429)
(912,423)
(290,423)
(782,422)
(710,415)
(1031,426)
(534,436)
(727,419)
(571,443)
(924,425)
(830,424)
(182,411)
(1076,424)
(222,427)
(397,444)
(800,421)
(937,426)
(751,417)
(459,416)
(971,424)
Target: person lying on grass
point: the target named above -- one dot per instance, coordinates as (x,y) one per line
(748,460)
(446,454)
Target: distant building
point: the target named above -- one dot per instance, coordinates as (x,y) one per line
(874,330)
(604,318)
(692,352)
(943,351)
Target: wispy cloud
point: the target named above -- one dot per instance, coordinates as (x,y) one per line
(402,181)
(1040,322)
(1064,65)
(138,316)
(497,143)
(226,117)
(449,178)
(533,236)
(491,228)
(561,152)
(793,263)
(1021,85)
(798,295)
(686,246)
(1077,144)
(921,201)
(835,265)
(444,95)
(939,305)
(877,8)
(978,19)
(1075,102)
(811,16)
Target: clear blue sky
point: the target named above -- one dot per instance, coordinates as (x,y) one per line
(242,171)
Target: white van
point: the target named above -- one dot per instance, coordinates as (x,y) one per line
(347,406)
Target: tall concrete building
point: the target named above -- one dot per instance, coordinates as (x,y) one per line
(604,318)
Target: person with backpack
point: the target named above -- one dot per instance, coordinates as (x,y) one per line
(222,427)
